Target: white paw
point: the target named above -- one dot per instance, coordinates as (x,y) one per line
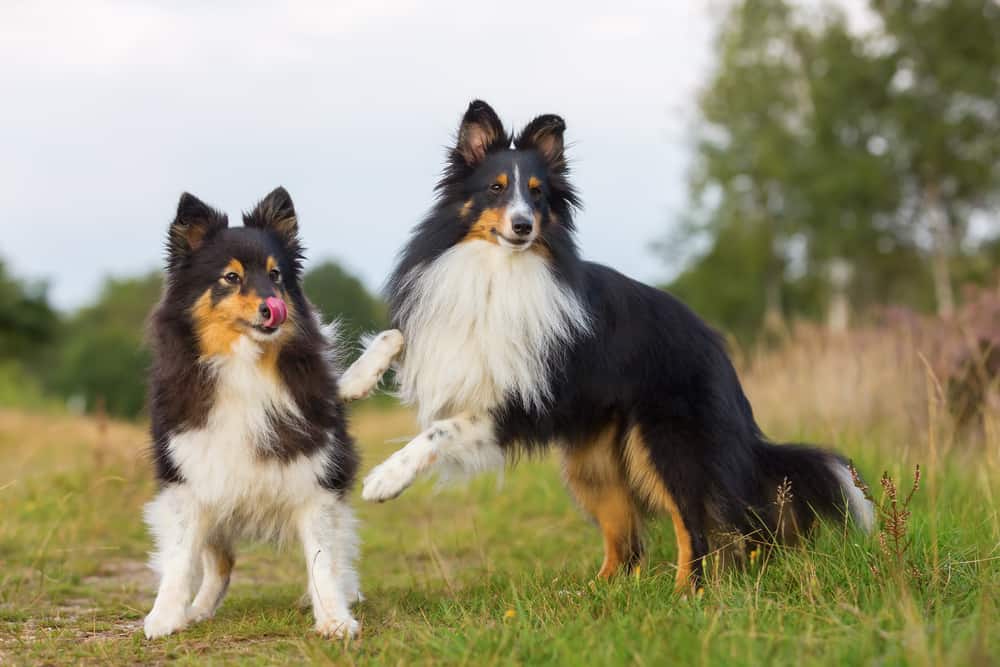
(197,614)
(338,628)
(390,478)
(161,623)
(361,380)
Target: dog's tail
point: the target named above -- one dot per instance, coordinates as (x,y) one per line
(800,482)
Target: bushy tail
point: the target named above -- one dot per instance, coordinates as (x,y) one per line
(799,482)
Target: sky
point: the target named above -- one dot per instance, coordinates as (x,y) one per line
(111,109)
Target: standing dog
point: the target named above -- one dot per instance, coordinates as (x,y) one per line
(513,342)
(248,426)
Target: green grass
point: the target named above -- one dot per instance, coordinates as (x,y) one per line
(490,573)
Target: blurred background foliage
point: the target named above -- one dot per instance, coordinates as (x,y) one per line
(96,358)
(837,171)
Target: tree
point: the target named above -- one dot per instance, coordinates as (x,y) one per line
(341,296)
(830,162)
(102,354)
(753,116)
(27,321)
(944,120)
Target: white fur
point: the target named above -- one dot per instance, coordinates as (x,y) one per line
(465,444)
(481,324)
(366,372)
(231,491)
(862,510)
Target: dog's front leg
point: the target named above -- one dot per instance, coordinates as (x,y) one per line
(466,443)
(366,372)
(180,529)
(327,530)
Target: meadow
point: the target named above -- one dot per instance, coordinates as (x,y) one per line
(501,571)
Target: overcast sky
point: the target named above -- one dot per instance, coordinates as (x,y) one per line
(111,109)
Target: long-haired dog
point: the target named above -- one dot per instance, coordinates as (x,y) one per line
(514,343)
(249,433)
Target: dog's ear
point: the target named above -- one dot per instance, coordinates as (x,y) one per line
(276,213)
(545,134)
(480,132)
(194,224)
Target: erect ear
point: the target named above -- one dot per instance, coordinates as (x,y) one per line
(195,223)
(480,132)
(544,134)
(276,213)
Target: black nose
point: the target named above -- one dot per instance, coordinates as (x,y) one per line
(264,311)
(522,226)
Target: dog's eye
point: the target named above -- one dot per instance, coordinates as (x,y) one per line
(232,278)
(496,187)
(536,192)
(275,276)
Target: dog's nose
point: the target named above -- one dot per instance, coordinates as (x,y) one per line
(264,311)
(522,226)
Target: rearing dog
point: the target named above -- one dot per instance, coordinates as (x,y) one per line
(514,343)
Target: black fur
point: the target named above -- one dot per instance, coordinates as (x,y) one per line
(648,363)
(182,387)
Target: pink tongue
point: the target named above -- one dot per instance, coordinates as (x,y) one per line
(278,309)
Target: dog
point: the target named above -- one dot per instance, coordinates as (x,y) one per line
(513,343)
(249,432)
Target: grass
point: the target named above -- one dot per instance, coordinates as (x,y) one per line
(502,572)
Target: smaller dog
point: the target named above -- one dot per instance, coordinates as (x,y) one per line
(249,433)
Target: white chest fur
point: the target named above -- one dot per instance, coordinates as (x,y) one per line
(481,324)
(221,461)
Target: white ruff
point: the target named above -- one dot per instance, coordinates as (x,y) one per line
(230,491)
(481,324)
(221,462)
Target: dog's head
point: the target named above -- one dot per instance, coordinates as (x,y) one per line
(236,282)
(509,191)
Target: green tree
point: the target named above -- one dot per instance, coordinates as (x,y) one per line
(341,296)
(829,162)
(27,321)
(943,121)
(102,353)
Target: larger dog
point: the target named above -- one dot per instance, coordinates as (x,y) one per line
(249,431)
(513,342)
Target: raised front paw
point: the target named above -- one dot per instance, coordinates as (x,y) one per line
(160,623)
(338,628)
(390,478)
(362,378)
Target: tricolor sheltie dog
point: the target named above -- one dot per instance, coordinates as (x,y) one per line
(249,435)
(514,343)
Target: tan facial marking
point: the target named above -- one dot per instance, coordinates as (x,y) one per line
(503,179)
(272,263)
(533,183)
(482,229)
(235,266)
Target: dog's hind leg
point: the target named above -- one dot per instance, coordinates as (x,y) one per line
(217,565)
(180,529)
(465,444)
(680,500)
(366,372)
(595,474)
